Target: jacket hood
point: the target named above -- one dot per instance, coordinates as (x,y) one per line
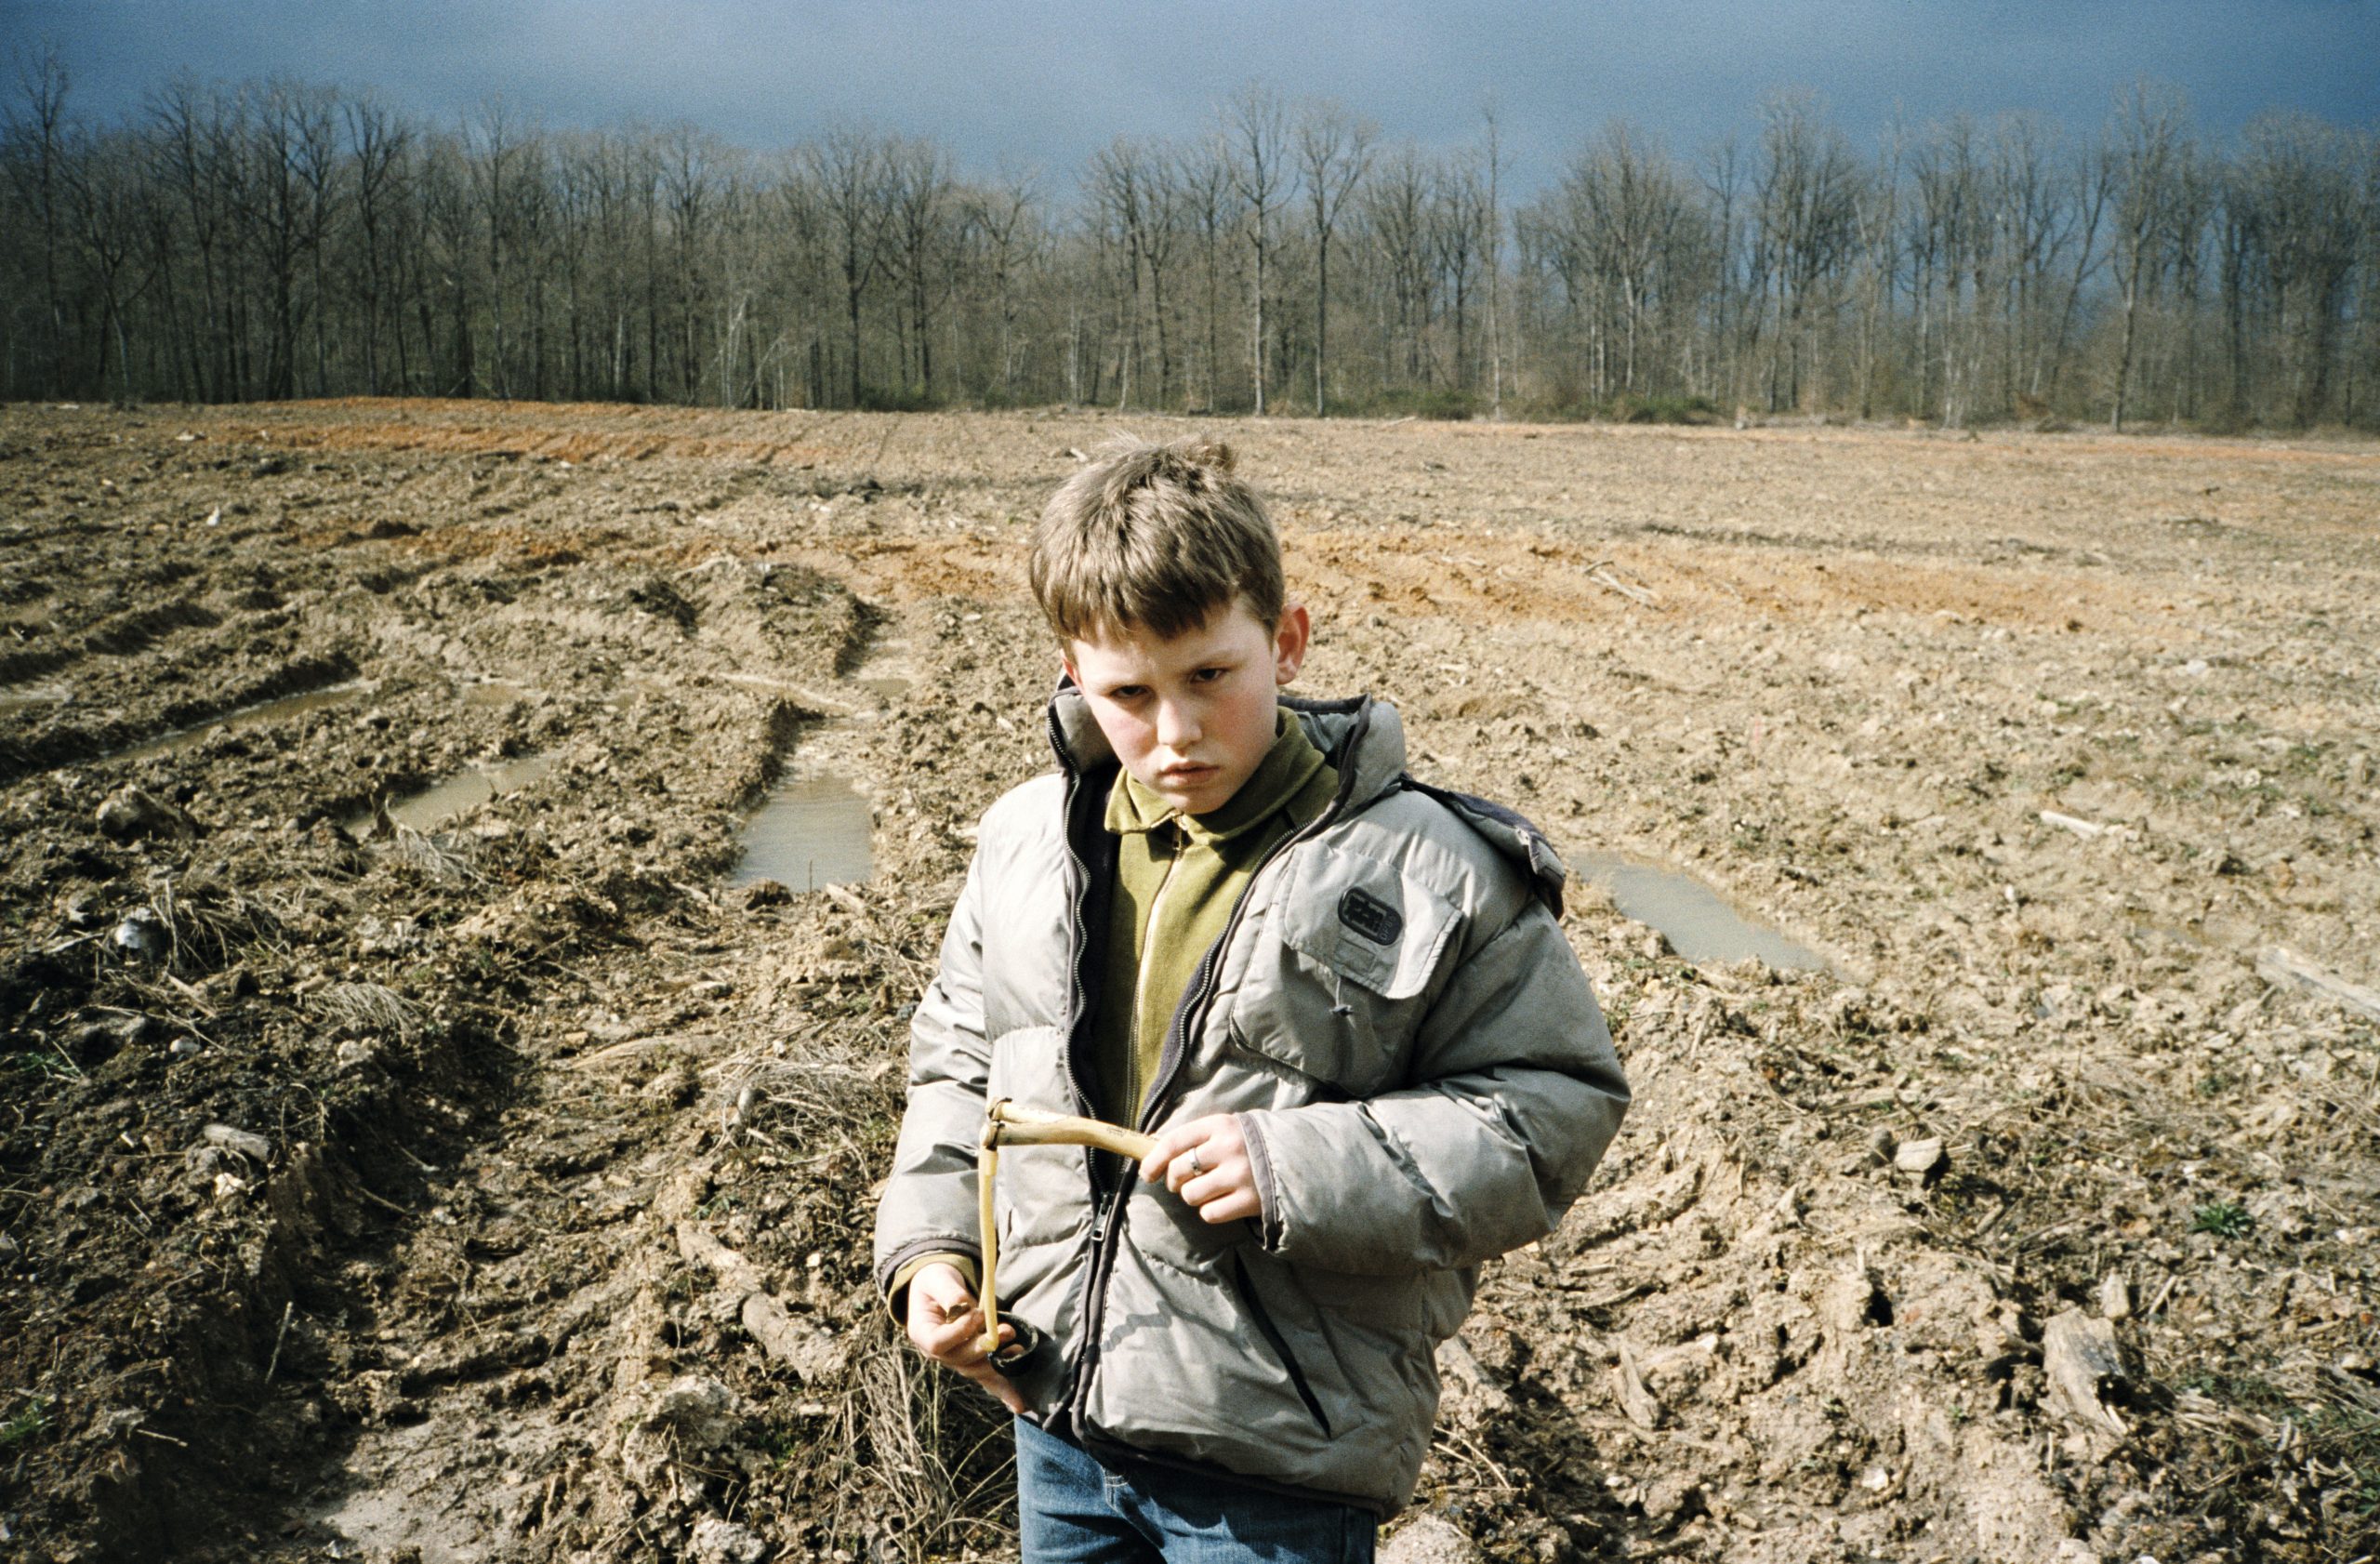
(1360,737)
(1364,739)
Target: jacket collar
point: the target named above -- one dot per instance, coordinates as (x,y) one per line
(1359,737)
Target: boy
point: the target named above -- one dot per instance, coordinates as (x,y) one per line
(1342,1002)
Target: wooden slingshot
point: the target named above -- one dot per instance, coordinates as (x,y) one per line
(1006,1125)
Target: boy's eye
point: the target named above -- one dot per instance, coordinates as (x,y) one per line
(1209,675)
(1126,691)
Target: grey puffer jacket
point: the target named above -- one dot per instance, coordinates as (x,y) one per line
(1420,1070)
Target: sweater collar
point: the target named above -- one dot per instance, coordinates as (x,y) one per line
(1287,767)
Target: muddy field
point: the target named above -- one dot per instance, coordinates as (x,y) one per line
(422,1144)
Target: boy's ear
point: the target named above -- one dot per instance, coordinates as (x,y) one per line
(1066,666)
(1290,638)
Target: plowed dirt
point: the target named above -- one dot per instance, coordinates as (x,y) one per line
(501,1191)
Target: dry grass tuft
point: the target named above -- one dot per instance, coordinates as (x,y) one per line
(210,921)
(446,859)
(366,1007)
(937,1457)
(813,1090)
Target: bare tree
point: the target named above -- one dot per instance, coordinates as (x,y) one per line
(377,145)
(1126,186)
(1457,226)
(39,126)
(1806,209)
(107,196)
(194,151)
(918,191)
(1257,127)
(1004,213)
(1210,204)
(1627,210)
(1494,158)
(2144,146)
(1395,206)
(849,170)
(1334,151)
(2313,206)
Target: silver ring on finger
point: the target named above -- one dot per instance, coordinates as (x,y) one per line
(1197,1168)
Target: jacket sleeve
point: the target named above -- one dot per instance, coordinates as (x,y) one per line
(1515,1093)
(929,1203)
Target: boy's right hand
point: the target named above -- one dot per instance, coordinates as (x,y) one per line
(948,1327)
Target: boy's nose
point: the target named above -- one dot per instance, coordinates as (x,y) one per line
(1177,725)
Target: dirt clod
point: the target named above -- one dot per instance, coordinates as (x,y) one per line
(130,813)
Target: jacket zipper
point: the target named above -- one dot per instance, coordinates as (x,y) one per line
(1107,1210)
(1106,1204)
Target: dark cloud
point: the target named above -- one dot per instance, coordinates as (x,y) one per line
(1047,84)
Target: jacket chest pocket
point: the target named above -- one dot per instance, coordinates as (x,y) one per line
(1343,969)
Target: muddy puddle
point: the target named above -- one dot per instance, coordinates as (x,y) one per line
(1697,921)
(810,831)
(813,828)
(496,692)
(459,793)
(259,715)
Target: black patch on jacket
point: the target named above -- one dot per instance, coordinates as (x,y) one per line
(1371,917)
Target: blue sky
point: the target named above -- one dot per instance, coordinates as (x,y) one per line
(1044,84)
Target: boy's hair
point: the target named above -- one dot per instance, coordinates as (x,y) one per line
(1155,537)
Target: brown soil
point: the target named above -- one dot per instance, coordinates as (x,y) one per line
(385,1203)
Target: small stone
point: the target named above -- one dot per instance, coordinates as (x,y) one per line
(1883,1145)
(1430,1539)
(675,1086)
(132,812)
(702,1411)
(1672,1499)
(184,1047)
(242,1143)
(766,893)
(353,1055)
(142,935)
(1921,1157)
(723,1542)
(2115,1296)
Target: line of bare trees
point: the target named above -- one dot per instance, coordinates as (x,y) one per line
(275,240)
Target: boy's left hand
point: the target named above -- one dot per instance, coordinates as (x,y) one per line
(1205,1161)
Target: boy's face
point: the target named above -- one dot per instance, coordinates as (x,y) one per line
(1191,717)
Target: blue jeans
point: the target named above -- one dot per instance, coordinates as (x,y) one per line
(1072,1509)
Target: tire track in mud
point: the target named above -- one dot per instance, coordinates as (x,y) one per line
(606,1419)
